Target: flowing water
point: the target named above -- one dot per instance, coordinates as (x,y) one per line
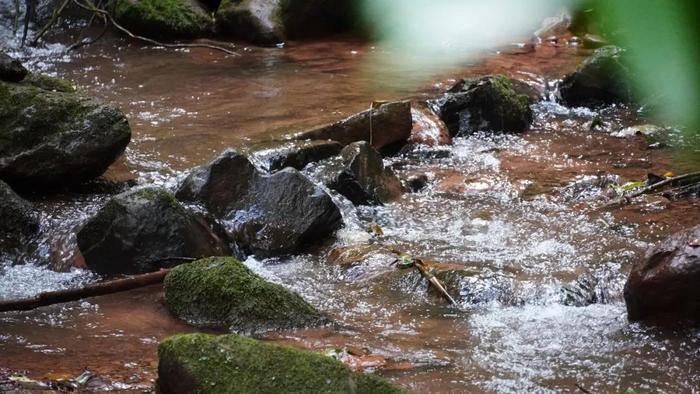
(512,224)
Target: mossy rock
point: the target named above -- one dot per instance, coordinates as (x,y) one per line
(603,78)
(201,363)
(221,292)
(45,82)
(50,135)
(166,19)
(491,103)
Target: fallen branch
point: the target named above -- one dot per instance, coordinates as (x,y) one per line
(89,6)
(51,22)
(674,181)
(91,290)
(432,280)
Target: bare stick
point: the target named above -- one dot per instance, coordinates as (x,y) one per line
(27,14)
(81,42)
(91,7)
(91,290)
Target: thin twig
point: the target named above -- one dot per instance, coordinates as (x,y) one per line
(27,15)
(15,23)
(82,41)
(92,8)
(578,386)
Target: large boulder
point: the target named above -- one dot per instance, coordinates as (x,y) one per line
(602,79)
(201,363)
(19,222)
(221,292)
(168,19)
(387,125)
(49,135)
(11,70)
(266,214)
(490,103)
(268,22)
(144,230)
(274,156)
(359,175)
(665,283)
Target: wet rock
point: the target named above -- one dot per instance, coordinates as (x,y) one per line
(428,129)
(221,292)
(489,103)
(603,78)
(252,20)
(56,137)
(296,154)
(144,230)
(417,183)
(266,214)
(359,175)
(477,286)
(391,124)
(664,285)
(11,70)
(167,19)
(19,222)
(268,22)
(201,363)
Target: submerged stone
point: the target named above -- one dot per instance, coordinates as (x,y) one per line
(490,103)
(266,214)
(11,70)
(144,230)
(664,285)
(51,136)
(359,175)
(18,221)
(221,292)
(604,78)
(167,19)
(389,124)
(201,363)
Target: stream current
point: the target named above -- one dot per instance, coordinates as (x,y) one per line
(510,221)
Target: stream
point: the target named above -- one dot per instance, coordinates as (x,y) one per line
(515,222)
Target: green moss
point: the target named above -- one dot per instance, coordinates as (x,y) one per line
(200,363)
(222,292)
(29,113)
(158,195)
(49,83)
(164,18)
(507,92)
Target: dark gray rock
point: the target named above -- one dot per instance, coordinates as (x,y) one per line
(490,103)
(56,137)
(145,230)
(664,285)
(296,154)
(391,124)
(604,78)
(11,70)
(18,221)
(267,215)
(251,20)
(359,175)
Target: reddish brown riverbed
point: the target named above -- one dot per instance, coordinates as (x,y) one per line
(495,206)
